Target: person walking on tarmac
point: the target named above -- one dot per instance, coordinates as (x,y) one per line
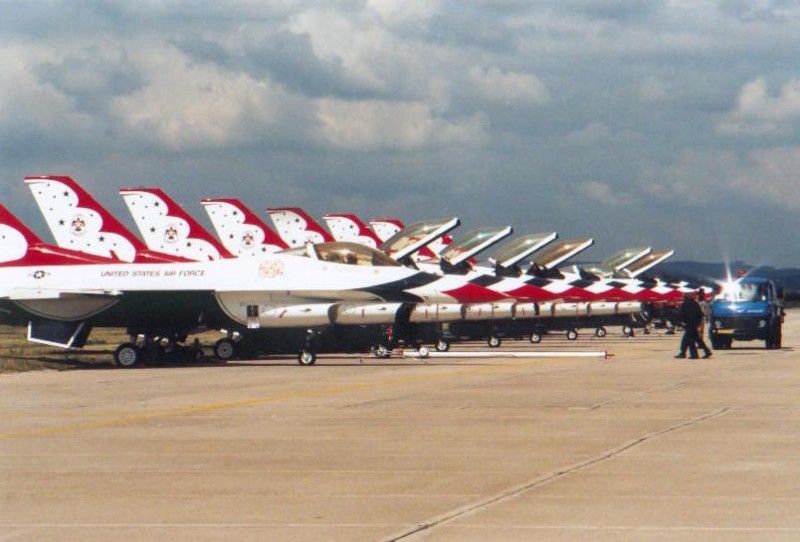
(692,316)
(706,308)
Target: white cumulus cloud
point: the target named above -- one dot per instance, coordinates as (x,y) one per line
(191,106)
(757,112)
(374,124)
(407,11)
(511,87)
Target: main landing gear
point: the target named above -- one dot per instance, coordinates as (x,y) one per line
(127,355)
(225,349)
(157,349)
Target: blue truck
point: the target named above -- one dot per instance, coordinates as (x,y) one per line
(747,309)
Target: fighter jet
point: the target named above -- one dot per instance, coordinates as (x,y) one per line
(171,299)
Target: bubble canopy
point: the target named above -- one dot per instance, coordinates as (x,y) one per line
(472,243)
(413,237)
(522,247)
(345,253)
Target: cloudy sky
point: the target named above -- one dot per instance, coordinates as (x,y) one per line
(673,123)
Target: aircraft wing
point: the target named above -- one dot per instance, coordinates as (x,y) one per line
(25,294)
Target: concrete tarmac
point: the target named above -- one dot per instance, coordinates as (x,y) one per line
(640,446)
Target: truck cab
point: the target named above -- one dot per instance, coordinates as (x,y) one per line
(747,309)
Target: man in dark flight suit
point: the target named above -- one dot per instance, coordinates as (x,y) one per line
(691,315)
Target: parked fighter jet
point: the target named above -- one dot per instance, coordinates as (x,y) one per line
(551,294)
(296,289)
(296,225)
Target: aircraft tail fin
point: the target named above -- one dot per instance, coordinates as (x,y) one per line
(385,228)
(79,222)
(167,227)
(439,245)
(348,227)
(19,246)
(296,227)
(241,231)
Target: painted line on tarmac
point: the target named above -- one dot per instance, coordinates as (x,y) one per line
(517,490)
(129,419)
(525,355)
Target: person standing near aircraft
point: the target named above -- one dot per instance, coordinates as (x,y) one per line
(692,316)
(706,308)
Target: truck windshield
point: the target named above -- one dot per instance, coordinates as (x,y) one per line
(743,292)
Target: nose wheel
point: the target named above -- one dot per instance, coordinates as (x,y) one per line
(381,351)
(306,357)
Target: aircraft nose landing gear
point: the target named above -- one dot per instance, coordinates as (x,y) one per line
(306,357)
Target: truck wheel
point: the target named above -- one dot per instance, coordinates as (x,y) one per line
(572,334)
(494,341)
(600,332)
(535,337)
(442,345)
